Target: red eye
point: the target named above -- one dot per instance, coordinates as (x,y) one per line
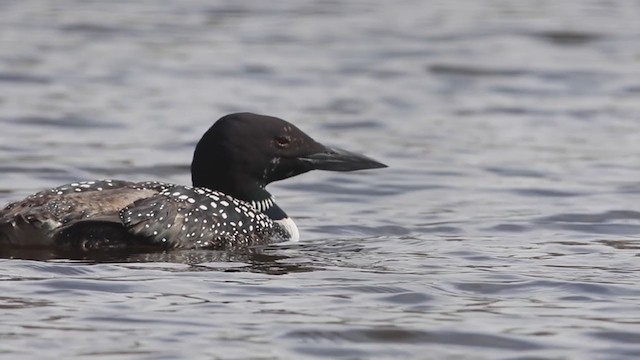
(283,141)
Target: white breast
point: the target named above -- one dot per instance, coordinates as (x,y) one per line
(289,226)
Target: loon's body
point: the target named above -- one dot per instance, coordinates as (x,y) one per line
(226,208)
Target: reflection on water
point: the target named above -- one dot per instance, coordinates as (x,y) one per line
(507,225)
(263,260)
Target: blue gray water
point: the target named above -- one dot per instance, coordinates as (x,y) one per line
(507,226)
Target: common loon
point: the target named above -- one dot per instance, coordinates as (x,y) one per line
(226,208)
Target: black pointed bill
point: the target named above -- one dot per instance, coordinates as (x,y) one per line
(336,159)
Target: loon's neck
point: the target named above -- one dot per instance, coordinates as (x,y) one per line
(269,207)
(274,212)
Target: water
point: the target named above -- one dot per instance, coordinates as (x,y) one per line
(507,227)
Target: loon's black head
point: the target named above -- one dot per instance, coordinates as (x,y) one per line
(242,153)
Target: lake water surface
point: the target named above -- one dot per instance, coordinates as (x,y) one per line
(506,227)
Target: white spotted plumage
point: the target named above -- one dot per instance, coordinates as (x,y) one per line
(202,214)
(156,208)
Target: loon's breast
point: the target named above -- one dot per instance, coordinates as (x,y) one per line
(113,213)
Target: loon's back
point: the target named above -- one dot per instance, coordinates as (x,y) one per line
(116,214)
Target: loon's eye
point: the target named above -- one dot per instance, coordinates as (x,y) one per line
(283,141)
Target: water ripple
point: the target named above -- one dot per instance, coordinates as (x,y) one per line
(407,336)
(507,225)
